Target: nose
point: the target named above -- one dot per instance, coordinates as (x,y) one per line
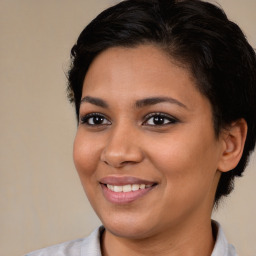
(122,148)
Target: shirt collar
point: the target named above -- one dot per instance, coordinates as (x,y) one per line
(222,247)
(91,245)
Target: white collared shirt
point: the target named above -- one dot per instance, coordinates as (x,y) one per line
(90,246)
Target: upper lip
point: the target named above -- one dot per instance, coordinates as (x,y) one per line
(124,180)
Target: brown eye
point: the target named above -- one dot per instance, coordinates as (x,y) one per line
(157,119)
(95,119)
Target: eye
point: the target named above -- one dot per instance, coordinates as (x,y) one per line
(158,119)
(94,119)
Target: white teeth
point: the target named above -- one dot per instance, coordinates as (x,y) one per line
(117,188)
(127,188)
(111,187)
(142,186)
(135,187)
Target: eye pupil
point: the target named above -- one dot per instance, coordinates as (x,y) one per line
(158,120)
(98,119)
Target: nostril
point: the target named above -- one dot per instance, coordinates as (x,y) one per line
(119,164)
(118,155)
(128,162)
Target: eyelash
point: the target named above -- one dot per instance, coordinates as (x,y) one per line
(161,117)
(85,119)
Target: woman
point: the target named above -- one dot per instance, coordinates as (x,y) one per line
(165,100)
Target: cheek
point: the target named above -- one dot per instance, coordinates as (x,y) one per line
(188,164)
(85,155)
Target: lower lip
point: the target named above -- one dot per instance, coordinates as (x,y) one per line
(123,197)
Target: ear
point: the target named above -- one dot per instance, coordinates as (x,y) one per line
(233,138)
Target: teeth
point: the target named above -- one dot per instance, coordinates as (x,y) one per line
(142,186)
(117,188)
(135,187)
(127,188)
(111,187)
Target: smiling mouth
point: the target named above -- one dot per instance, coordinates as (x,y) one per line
(128,188)
(125,193)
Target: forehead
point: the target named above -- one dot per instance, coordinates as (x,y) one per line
(139,72)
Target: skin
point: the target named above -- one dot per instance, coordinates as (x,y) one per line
(183,156)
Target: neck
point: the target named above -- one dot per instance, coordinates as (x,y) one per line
(187,240)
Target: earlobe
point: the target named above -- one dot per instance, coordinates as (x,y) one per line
(233,144)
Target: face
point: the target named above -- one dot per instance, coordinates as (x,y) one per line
(145,148)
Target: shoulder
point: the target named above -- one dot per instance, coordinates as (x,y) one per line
(88,246)
(71,248)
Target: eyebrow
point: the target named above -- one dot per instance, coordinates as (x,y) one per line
(138,104)
(94,101)
(155,100)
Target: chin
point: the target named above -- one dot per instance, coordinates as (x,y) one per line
(128,227)
(128,231)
